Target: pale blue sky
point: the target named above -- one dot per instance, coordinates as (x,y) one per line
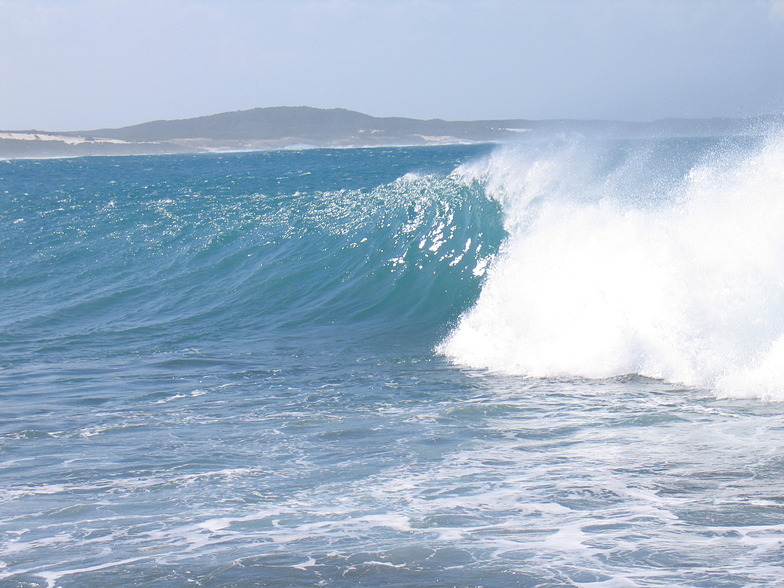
(82,64)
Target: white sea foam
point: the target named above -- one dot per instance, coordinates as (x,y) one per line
(609,273)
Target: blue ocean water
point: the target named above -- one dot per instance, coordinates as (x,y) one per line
(553,363)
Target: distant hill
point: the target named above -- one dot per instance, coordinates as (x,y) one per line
(302,126)
(319,127)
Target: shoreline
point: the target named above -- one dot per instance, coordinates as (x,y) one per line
(297,147)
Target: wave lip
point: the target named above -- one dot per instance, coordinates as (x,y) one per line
(612,269)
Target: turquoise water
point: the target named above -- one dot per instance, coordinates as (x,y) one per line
(545,364)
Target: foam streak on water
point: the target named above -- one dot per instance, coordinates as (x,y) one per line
(499,481)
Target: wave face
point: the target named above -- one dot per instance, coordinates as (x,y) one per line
(151,255)
(663,258)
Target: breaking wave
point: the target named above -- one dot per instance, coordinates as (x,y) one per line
(660,258)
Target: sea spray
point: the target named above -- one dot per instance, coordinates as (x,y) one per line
(659,263)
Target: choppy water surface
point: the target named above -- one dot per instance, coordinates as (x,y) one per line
(541,365)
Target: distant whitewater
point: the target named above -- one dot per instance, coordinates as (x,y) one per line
(552,363)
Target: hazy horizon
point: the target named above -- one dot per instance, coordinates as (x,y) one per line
(87,64)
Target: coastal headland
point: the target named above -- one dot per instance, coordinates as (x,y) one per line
(287,127)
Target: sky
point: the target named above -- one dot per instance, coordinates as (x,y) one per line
(88,64)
